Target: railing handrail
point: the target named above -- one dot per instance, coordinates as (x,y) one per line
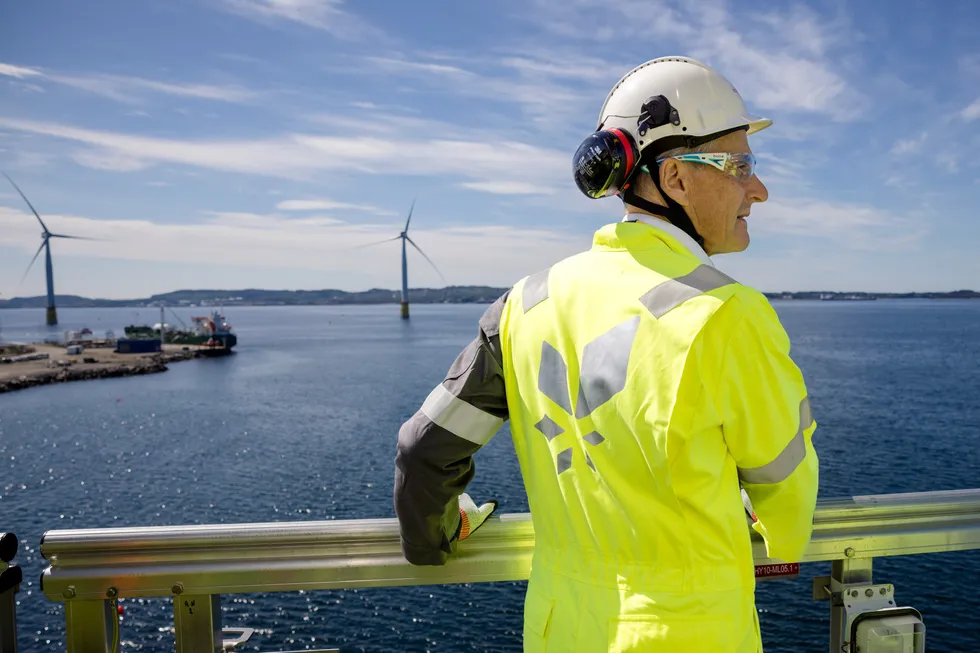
(334,554)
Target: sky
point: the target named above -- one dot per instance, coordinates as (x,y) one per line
(259,143)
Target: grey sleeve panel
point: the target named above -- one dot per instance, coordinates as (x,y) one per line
(477,374)
(434,464)
(432,468)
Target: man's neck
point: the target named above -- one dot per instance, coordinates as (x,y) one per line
(635,209)
(633,214)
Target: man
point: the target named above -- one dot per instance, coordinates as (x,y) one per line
(643,387)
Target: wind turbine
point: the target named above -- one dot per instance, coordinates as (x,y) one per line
(51,315)
(405,238)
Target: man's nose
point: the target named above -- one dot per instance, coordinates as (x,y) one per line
(756,190)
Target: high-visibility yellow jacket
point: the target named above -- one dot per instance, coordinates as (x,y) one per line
(643,386)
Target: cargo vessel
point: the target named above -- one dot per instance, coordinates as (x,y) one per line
(211,332)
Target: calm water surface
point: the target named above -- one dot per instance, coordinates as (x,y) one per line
(301,425)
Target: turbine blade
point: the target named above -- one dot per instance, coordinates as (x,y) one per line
(412,208)
(377,242)
(426,257)
(45,242)
(51,235)
(44,226)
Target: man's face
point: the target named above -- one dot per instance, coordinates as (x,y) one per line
(718,202)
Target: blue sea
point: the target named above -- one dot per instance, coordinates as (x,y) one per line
(301,424)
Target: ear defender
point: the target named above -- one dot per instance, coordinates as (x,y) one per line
(604,161)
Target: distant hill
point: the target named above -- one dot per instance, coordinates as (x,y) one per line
(259,297)
(449,295)
(828,295)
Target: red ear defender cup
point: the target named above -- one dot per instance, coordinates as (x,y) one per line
(604,162)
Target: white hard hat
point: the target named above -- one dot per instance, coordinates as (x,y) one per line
(700,102)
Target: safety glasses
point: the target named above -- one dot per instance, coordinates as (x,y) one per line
(740,165)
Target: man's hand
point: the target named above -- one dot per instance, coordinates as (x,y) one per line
(472,516)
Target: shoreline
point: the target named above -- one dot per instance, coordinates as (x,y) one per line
(92,363)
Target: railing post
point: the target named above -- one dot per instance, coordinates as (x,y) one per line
(89,625)
(849,571)
(8,621)
(197,623)
(10,578)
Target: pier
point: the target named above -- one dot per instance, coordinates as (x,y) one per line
(29,365)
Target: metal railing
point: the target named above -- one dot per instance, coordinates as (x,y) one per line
(90,568)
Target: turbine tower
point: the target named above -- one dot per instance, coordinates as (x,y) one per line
(51,315)
(405,238)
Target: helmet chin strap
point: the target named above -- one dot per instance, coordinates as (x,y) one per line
(674,212)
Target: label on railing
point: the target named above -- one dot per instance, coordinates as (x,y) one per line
(787,570)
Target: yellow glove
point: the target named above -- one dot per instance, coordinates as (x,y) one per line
(748,508)
(472,516)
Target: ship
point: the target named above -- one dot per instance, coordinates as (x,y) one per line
(212,333)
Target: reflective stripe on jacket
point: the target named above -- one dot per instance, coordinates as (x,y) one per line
(642,386)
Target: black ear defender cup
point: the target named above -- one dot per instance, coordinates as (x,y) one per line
(605,161)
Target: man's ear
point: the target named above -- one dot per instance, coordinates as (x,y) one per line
(675,181)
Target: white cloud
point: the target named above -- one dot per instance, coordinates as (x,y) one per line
(328,205)
(909,145)
(852,226)
(970,65)
(509,188)
(476,254)
(32,159)
(971,112)
(125,89)
(266,221)
(948,160)
(128,89)
(593,20)
(387,121)
(239,58)
(301,155)
(578,69)
(543,100)
(325,15)
(19,72)
(780,167)
(800,29)
(780,80)
(109,160)
(439,69)
(778,61)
